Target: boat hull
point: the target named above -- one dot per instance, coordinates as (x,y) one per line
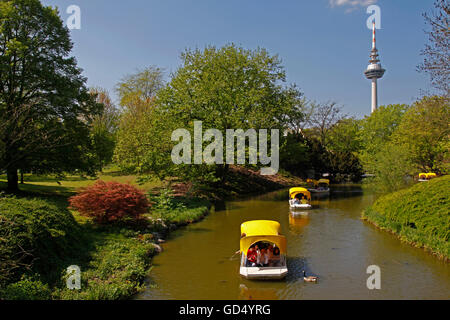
(301,206)
(255,273)
(319,191)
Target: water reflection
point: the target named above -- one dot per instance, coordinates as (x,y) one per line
(298,221)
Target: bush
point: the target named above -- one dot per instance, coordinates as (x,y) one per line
(107,202)
(166,200)
(26,289)
(117,271)
(37,234)
(182,210)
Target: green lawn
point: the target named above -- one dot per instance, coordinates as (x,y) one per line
(48,184)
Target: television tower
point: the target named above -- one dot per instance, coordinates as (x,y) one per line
(374,71)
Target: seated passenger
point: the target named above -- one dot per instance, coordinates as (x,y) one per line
(258,256)
(265,257)
(251,257)
(276,257)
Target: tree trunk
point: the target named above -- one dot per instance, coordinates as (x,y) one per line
(13,180)
(21,177)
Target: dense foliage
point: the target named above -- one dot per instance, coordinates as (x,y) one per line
(398,141)
(225,88)
(418,215)
(107,202)
(35,236)
(45,107)
(104,129)
(117,270)
(178,210)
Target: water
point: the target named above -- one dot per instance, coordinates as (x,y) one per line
(330,242)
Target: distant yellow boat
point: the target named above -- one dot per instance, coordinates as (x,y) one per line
(424,177)
(263,250)
(300,198)
(321,186)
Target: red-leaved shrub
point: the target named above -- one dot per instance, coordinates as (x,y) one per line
(110,201)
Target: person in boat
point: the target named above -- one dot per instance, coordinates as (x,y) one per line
(276,257)
(258,256)
(251,257)
(304,200)
(269,254)
(265,257)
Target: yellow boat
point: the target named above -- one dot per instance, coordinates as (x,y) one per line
(300,198)
(424,177)
(263,251)
(321,186)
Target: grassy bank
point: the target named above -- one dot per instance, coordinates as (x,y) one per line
(40,237)
(418,215)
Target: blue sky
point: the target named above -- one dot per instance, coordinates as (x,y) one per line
(324,44)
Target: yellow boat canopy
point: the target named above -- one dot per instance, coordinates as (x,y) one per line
(427,175)
(296,191)
(261,228)
(262,231)
(324,181)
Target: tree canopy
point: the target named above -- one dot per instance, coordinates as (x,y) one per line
(225,88)
(45,107)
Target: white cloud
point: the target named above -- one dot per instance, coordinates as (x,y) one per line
(351,4)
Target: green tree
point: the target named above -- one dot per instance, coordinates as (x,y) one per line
(294,155)
(424,132)
(379,155)
(227,88)
(343,145)
(104,128)
(390,166)
(144,134)
(143,140)
(144,85)
(343,136)
(377,129)
(45,107)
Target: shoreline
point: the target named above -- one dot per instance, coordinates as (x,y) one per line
(416,245)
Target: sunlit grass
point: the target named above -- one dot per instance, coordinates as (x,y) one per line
(418,215)
(69,184)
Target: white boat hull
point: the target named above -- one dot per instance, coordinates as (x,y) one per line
(256,273)
(319,190)
(301,206)
(305,206)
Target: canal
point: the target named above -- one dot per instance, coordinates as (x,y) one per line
(330,242)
